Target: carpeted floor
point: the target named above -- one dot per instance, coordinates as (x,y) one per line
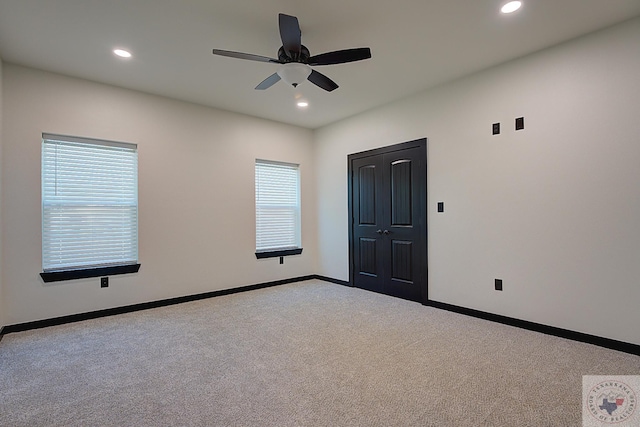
(303,354)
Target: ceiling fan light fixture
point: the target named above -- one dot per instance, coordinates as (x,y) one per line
(294,73)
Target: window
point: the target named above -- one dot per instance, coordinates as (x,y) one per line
(89,208)
(277,209)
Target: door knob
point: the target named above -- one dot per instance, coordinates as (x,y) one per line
(386,232)
(379,231)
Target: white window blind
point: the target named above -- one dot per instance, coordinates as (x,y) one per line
(89,203)
(277,206)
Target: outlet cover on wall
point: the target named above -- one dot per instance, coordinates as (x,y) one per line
(498,284)
(520,123)
(496,129)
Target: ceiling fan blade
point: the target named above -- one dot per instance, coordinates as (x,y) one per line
(322,81)
(248,56)
(290,34)
(341,56)
(269,81)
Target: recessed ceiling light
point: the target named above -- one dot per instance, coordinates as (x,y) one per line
(122,53)
(511,7)
(303,104)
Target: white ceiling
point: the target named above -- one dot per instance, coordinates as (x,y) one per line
(415,44)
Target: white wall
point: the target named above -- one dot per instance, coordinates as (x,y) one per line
(196,193)
(1,269)
(553,210)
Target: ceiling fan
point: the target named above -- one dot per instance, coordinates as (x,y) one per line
(295,59)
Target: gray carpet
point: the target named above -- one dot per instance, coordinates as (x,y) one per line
(304,354)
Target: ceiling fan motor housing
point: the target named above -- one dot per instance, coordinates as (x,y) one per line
(303,57)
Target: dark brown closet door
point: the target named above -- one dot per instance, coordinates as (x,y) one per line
(389,227)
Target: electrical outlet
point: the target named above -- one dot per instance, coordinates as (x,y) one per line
(281,260)
(520,123)
(496,128)
(104,282)
(440,206)
(498,284)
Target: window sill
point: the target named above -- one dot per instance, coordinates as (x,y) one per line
(278,253)
(58,276)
